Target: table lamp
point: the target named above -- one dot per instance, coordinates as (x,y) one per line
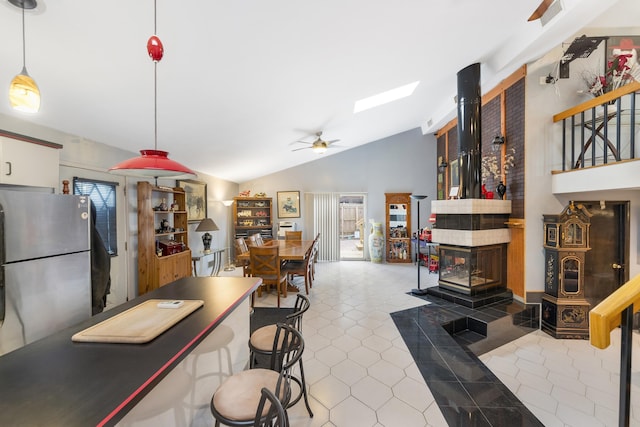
(207,225)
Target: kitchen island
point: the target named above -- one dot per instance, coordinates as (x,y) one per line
(55,381)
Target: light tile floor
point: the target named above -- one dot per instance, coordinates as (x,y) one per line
(360,372)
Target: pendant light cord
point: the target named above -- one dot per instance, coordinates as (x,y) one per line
(24,56)
(155,84)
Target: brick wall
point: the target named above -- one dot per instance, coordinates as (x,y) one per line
(491,126)
(514,101)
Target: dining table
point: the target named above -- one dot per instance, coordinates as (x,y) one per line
(289,250)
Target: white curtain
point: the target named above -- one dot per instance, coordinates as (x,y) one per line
(326,222)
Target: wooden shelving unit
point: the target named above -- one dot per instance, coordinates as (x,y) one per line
(162,224)
(253,215)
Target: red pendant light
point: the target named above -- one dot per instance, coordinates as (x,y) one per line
(153,163)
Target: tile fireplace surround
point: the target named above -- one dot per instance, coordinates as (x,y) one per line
(473,235)
(471,222)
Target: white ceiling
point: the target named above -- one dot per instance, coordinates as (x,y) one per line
(242,80)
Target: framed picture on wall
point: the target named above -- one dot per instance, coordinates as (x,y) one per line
(455,177)
(196,199)
(622,44)
(288,204)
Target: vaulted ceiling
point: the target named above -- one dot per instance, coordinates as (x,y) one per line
(242,80)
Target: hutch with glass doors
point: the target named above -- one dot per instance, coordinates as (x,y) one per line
(398,224)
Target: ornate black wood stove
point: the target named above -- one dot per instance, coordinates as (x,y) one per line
(565,311)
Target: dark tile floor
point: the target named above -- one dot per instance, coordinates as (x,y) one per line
(467,392)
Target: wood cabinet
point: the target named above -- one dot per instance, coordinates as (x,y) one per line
(253,215)
(26,163)
(398,226)
(163,254)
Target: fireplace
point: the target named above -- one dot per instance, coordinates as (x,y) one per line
(473,238)
(471,231)
(472,270)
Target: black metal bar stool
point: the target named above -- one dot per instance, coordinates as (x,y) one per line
(263,343)
(235,402)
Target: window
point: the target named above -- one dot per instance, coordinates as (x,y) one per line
(103,197)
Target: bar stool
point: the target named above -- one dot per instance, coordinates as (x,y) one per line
(235,402)
(276,417)
(263,342)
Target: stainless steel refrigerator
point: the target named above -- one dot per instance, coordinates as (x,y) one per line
(45,275)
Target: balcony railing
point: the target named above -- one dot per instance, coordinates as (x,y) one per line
(601,130)
(617,311)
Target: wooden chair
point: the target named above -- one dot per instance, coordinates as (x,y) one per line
(265,263)
(252,241)
(256,239)
(242,248)
(293,235)
(301,268)
(316,246)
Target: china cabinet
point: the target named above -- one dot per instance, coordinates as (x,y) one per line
(398,224)
(253,215)
(163,253)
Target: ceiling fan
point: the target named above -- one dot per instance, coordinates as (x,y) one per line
(319,145)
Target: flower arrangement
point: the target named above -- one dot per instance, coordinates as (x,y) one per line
(491,167)
(617,74)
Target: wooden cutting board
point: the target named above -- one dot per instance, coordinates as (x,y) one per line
(139,324)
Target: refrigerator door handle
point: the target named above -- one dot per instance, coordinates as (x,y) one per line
(3,301)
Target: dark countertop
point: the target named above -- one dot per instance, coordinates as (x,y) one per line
(55,381)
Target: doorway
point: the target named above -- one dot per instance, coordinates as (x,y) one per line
(351,226)
(604,267)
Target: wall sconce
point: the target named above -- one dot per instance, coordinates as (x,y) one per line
(442,166)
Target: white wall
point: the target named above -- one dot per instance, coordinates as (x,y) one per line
(543,142)
(400,163)
(89,159)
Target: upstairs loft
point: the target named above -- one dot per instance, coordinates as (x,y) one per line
(597,142)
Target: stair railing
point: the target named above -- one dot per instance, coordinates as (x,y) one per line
(601,130)
(617,311)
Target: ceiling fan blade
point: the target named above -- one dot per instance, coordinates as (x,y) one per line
(333,141)
(537,14)
(302,148)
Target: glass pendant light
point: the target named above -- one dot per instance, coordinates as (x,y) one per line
(153,163)
(24,94)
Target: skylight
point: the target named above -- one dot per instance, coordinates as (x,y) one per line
(385,97)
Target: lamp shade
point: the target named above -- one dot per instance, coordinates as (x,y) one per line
(152,163)
(207,224)
(24,94)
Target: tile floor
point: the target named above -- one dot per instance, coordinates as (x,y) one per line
(361,373)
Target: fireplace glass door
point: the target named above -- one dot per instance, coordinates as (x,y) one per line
(471,269)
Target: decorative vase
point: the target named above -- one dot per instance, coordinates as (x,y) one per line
(501,189)
(376,243)
(485,193)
